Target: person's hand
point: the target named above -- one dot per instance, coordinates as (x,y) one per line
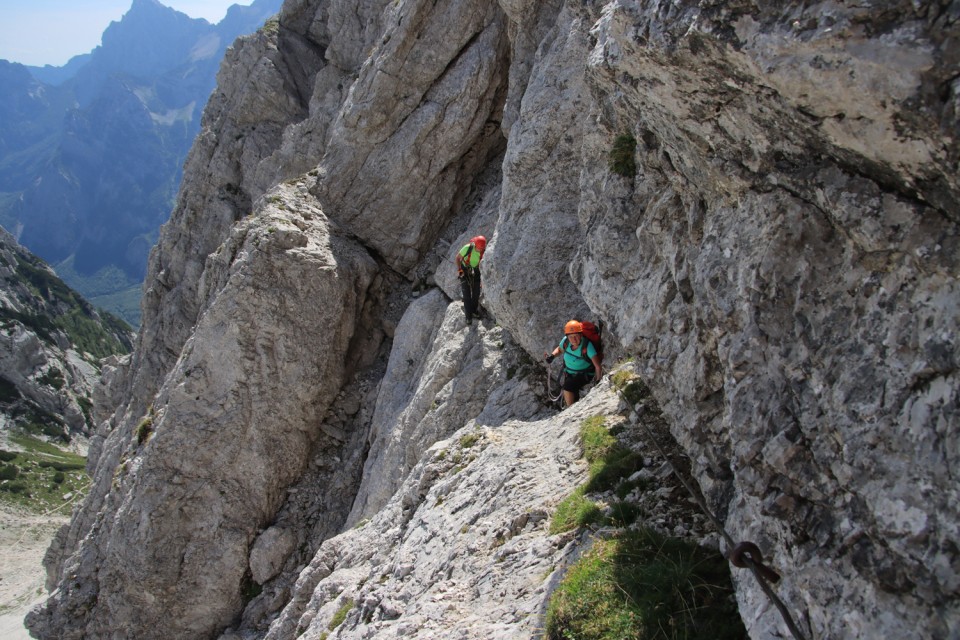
(548,357)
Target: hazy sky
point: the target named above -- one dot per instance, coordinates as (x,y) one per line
(39,32)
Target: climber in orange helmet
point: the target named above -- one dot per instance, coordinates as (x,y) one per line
(581,361)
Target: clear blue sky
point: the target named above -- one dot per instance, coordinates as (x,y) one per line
(39,32)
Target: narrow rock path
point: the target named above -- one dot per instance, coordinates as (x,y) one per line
(463,549)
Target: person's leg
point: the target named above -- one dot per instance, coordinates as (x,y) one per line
(572,384)
(477,311)
(467,292)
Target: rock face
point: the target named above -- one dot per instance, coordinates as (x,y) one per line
(51,345)
(761,206)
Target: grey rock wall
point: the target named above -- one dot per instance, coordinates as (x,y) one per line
(793,294)
(780,263)
(176,524)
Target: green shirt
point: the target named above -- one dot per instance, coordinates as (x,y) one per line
(473,261)
(573,360)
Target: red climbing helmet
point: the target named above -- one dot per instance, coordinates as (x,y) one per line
(479,242)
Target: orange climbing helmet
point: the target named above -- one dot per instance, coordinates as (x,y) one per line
(479,242)
(574,326)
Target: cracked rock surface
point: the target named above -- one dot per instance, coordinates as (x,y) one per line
(776,252)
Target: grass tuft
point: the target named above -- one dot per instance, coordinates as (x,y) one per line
(609,460)
(622,161)
(144,429)
(645,586)
(597,441)
(575,511)
(341,614)
(469,440)
(630,385)
(623,514)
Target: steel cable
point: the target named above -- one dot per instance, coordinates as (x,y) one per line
(740,555)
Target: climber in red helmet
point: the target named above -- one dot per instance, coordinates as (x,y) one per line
(468,271)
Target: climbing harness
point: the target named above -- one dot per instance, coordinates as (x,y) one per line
(743,554)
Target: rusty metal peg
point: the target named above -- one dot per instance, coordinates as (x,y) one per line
(753,555)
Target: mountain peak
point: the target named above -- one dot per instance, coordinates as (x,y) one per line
(154,10)
(149,38)
(140,6)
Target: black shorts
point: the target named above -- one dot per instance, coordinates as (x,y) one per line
(576,381)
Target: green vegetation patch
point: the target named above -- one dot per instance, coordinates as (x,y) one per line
(630,385)
(88,335)
(43,282)
(250,589)
(644,586)
(341,614)
(39,477)
(109,288)
(52,377)
(575,511)
(622,161)
(596,440)
(39,324)
(86,408)
(31,418)
(469,440)
(623,514)
(609,460)
(271,26)
(627,486)
(99,334)
(34,420)
(145,428)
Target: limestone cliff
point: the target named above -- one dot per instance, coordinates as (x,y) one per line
(774,244)
(52,346)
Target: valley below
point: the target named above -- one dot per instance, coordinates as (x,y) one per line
(24,538)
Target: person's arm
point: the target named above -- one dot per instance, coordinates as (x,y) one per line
(553,354)
(597,366)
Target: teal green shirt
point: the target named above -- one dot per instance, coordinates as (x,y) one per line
(573,360)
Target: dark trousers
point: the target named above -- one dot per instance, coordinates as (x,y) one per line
(470,287)
(574,382)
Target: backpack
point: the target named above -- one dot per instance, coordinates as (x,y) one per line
(593,333)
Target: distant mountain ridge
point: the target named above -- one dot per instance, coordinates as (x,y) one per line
(91,153)
(51,74)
